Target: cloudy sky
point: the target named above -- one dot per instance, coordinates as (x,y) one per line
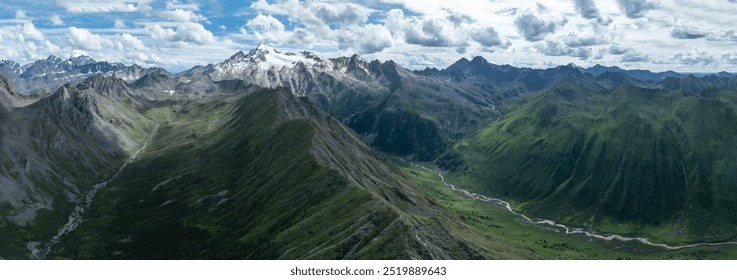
(681,35)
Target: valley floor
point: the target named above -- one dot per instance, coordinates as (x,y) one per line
(541,240)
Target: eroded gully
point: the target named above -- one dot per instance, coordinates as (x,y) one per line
(40,249)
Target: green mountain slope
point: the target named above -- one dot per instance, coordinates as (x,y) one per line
(262,176)
(632,160)
(55,149)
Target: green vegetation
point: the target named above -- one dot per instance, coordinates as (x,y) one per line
(57,148)
(252,177)
(634,161)
(490,226)
(266,175)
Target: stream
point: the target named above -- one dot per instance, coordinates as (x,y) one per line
(567,230)
(75,218)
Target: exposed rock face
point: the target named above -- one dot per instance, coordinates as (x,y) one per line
(46,75)
(56,148)
(368,96)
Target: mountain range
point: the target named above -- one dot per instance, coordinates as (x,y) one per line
(271,154)
(46,75)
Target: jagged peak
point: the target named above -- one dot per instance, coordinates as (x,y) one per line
(463,60)
(347,59)
(390,63)
(724,74)
(355,60)
(599,66)
(479,59)
(160,71)
(53,58)
(9,63)
(458,65)
(136,67)
(260,51)
(571,65)
(81,60)
(103,82)
(63,93)
(238,55)
(311,55)
(262,48)
(357,57)
(265,57)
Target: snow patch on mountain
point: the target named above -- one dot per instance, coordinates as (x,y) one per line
(269,67)
(264,58)
(46,75)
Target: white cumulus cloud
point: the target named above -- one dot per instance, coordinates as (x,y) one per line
(182,15)
(694,56)
(87,6)
(30,31)
(84,39)
(266,28)
(266,23)
(127,41)
(420,31)
(340,13)
(533,28)
(186,32)
(367,39)
(56,20)
(171,5)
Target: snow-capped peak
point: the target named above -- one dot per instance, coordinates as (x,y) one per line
(263,47)
(266,57)
(238,56)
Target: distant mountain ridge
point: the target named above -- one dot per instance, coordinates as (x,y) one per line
(644,75)
(392,108)
(45,75)
(596,70)
(269,67)
(385,103)
(410,113)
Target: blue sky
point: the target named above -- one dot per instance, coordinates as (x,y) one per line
(681,35)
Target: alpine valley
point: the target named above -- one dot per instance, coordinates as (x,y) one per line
(274,154)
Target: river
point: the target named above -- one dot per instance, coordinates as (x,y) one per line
(40,249)
(567,230)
